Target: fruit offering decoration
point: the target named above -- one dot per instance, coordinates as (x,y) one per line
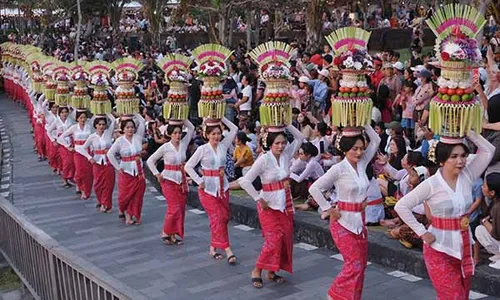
(352,105)
(127,70)
(455,109)
(61,76)
(176,68)
(80,98)
(98,74)
(211,61)
(273,59)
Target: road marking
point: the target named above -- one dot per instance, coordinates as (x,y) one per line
(244,227)
(307,247)
(197,211)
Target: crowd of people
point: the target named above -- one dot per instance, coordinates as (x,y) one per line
(409,176)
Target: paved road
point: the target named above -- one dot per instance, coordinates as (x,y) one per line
(135,255)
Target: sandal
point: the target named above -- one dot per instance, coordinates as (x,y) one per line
(131,223)
(166,240)
(257,282)
(217,256)
(276,278)
(67,185)
(231,260)
(121,217)
(78,192)
(98,205)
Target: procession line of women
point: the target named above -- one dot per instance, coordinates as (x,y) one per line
(447,242)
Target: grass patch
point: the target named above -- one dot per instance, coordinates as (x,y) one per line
(9,279)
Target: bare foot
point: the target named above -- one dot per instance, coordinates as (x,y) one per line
(304,206)
(390,223)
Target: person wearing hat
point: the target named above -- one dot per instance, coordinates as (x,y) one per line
(416,71)
(423,94)
(173,178)
(391,81)
(377,75)
(399,70)
(320,92)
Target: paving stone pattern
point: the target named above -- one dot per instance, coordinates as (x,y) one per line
(135,255)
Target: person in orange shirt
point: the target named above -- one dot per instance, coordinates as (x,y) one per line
(242,156)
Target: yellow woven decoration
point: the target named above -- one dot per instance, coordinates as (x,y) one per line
(274,67)
(455,120)
(176,68)
(351,113)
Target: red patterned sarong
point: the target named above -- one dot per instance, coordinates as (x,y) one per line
(176,207)
(445,272)
(68,166)
(83,173)
(104,182)
(217,209)
(348,285)
(131,194)
(39,131)
(277,230)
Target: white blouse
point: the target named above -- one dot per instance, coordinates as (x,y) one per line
(445,202)
(270,170)
(313,170)
(172,156)
(212,159)
(125,148)
(99,142)
(399,175)
(57,128)
(373,213)
(79,134)
(350,185)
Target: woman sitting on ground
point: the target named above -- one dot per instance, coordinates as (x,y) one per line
(300,183)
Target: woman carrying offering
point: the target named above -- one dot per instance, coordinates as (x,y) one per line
(131,181)
(347,224)
(55,130)
(173,179)
(103,171)
(274,203)
(447,242)
(213,186)
(83,168)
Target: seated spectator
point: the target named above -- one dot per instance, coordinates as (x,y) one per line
(305,127)
(242,155)
(300,182)
(488,233)
(396,183)
(374,207)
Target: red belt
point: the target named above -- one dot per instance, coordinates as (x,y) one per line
(101,152)
(375,202)
(352,207)
(131,158)
(179,168)
(79,143)
(281,185)
(459,224)
(137,160)
(216,173)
